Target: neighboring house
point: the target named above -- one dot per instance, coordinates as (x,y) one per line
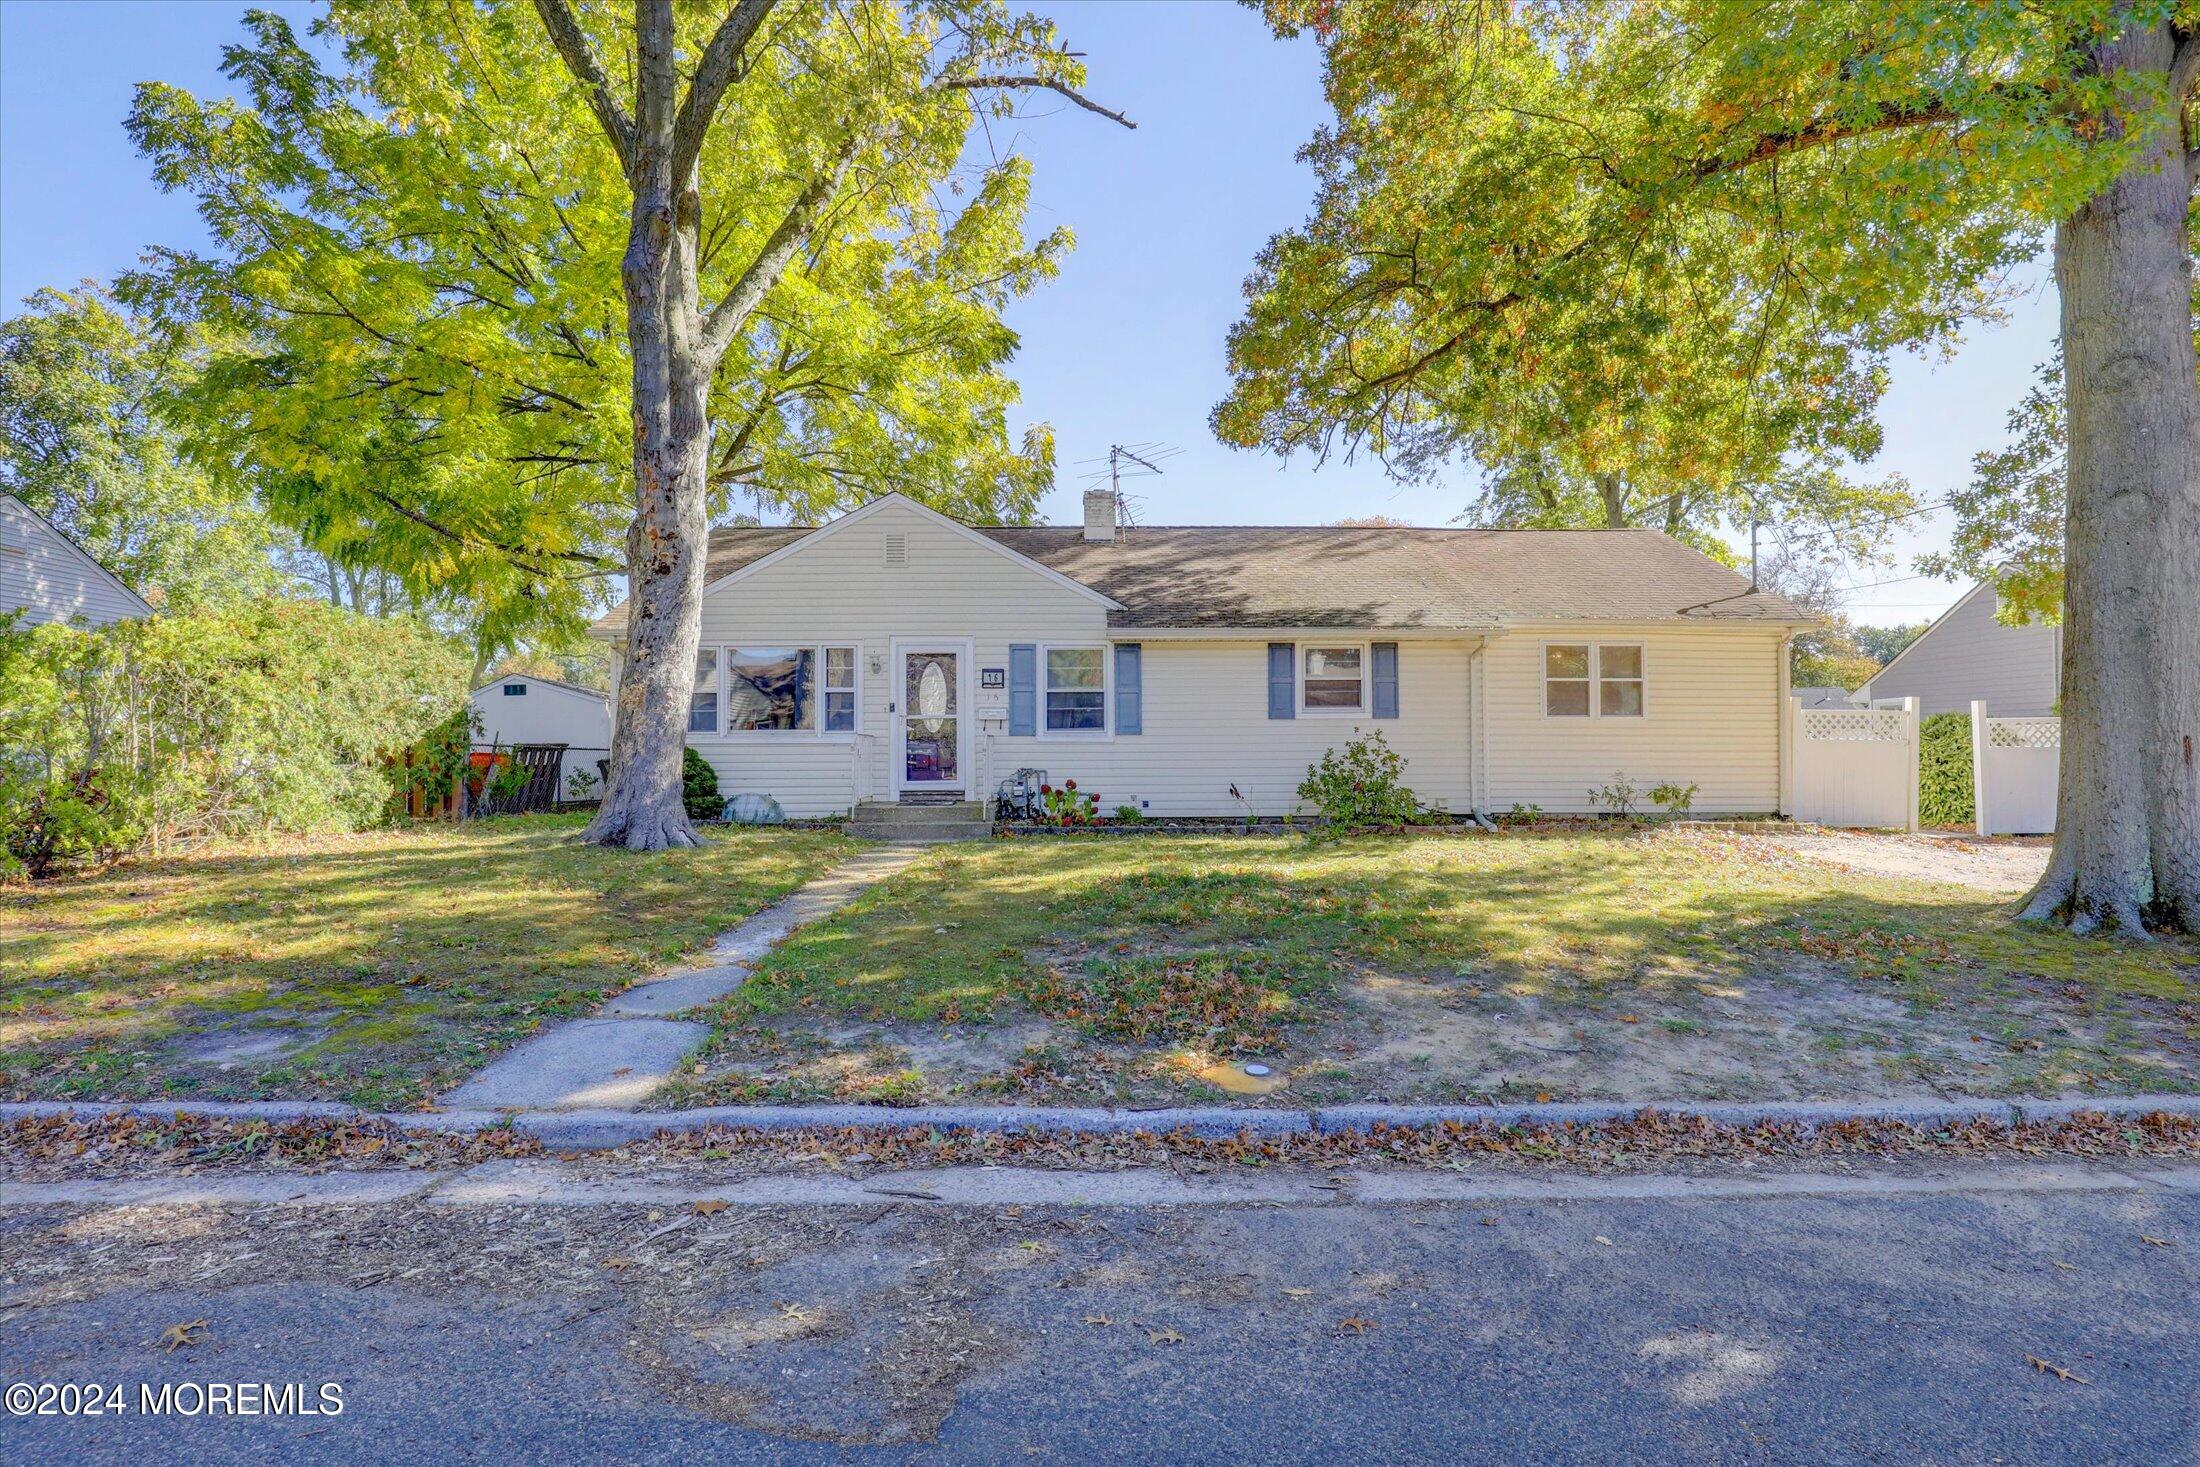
(1822,697)
(49,577)
(1968,655)
(895,652)
(537,710)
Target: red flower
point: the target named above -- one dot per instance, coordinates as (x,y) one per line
(1069,784)
(1046,789)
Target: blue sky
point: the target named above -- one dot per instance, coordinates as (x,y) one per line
(1125,348)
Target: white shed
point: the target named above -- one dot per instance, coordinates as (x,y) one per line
(49,577)
(519,709)
(1969,656)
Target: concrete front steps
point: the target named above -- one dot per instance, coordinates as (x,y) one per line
(920,824)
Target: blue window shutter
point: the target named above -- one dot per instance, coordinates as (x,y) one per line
(1280,688)
(1130,695)
(1023,688)
(1386,679)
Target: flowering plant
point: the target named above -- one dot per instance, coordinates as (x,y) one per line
(1066,806)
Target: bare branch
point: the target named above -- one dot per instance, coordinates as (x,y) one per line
(747,293)
(1040,83)
(519,554)
(723,64)
(572,43)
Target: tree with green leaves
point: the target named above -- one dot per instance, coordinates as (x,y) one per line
(1703,225)
(528,294)
(87,440)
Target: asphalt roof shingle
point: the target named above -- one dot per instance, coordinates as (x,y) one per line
(1379,577)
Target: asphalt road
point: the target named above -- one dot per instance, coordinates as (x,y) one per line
(1587,1328)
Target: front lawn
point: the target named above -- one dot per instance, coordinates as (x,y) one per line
(1569,964)
(377,968)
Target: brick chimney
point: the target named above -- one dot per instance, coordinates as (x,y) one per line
(1099,514)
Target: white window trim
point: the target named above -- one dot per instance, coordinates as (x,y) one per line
(815,731)
(1106,731)
(1366,708)
(1596,679)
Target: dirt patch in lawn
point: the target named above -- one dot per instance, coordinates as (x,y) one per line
(2010,865)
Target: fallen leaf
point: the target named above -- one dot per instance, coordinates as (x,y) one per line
(1300,1293)
(176,1336)
(1163,1337)
(1607,1242)
(2156,1242)
(1099,1319)
(2046,1368)
(710,1205)
(1355,1324)
(619,1263)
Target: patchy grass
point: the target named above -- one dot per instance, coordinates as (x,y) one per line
(376,968)
(1531,963)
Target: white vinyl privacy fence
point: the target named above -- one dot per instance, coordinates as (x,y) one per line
(1853,766)
(2014,765)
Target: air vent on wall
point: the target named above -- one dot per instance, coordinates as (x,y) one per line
(897,549)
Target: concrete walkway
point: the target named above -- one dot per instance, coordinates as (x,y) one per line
(616,1059)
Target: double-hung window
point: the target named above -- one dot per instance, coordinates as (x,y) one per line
(703,707)
(1077,690)
(840,690)
(1593,680)
(1333,679)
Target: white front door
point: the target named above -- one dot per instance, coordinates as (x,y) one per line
(931,700)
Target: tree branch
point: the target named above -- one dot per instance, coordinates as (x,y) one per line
(747,293)
(722,65)
(1823,132)
(572,43)
(518,553)
(1040,83)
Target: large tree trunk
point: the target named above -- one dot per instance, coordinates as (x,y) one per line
(2127,840)
(667,546)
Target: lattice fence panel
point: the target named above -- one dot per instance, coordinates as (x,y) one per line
(1852,725)
(2024,733)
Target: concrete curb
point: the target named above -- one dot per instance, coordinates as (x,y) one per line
(603,1129)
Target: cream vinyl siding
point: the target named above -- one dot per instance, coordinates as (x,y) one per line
(1967,654)
(1711,699)
(1207,727)
(49,579)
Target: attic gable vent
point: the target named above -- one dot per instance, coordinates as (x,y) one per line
(897,548)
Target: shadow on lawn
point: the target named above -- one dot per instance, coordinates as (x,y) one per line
(402,958)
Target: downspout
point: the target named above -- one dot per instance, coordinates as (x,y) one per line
(1477,739)
(1786,714)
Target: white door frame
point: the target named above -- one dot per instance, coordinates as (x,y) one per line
(897,696)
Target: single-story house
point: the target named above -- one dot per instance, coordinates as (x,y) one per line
(1970,655)
(48,577)
(521,709)
(895,653)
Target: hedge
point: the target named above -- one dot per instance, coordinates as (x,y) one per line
(1944,794)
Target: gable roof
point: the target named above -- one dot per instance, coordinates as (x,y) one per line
(79,553)
(548,682)
(1375,577)
(1937,623)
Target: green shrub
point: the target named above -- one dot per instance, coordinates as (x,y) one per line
(1944,793)
(1674,799)
(1361,787)
(699,787)
(1619,797)
(261,716)
(46,826)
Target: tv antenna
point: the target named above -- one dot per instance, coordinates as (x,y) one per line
(1118,455)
